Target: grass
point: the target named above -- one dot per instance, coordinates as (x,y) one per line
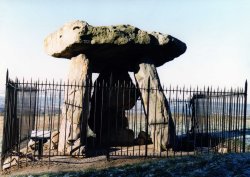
(209,165)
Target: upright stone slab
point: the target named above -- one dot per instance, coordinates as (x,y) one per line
(159,116)
(75,110)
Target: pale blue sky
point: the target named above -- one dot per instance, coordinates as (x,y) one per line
(217,34)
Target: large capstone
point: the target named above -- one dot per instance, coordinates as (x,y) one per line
(121,45)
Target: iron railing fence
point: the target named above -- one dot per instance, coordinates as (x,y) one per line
(36,113)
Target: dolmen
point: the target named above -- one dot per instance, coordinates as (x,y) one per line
(112,51)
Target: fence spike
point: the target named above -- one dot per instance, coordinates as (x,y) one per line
(7,75)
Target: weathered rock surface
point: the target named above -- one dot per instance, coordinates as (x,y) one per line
(159,115)
(53,142)
(143,138)
(10,162)
(31,145)
(75,111)
(121,45)
(17,157)
(76,149)
(55,137)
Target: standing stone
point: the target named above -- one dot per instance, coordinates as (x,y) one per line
(159,117)
(76,104)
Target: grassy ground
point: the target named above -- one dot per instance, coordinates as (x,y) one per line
(195,166)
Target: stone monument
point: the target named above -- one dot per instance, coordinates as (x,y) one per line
(113,51)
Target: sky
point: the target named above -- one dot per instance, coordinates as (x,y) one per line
(216,32)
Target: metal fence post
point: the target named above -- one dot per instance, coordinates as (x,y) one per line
(15,121)
(5,119)
(245,117)
(147,115)
(109,89)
